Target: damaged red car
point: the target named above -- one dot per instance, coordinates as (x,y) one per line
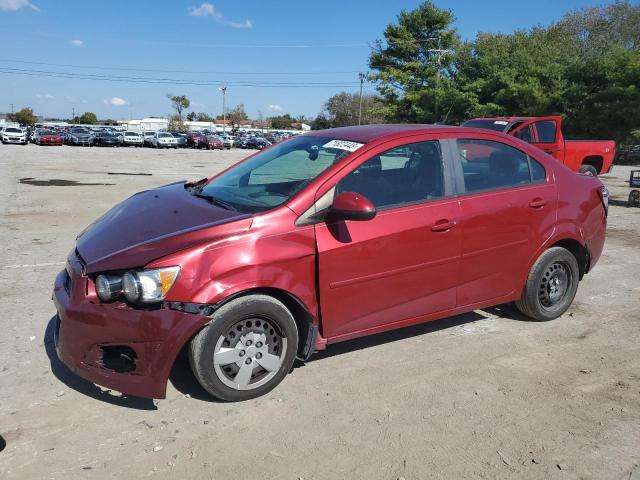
(322,238)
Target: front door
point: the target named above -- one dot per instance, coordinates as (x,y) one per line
(403,263)
(544,133)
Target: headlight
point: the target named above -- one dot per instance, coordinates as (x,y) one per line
(149,286)
(108,287)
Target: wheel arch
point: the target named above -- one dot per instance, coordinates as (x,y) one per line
(578,250)
(596,161)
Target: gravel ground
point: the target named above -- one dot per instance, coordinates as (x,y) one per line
(481,395)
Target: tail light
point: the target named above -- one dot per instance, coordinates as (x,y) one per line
(603,192)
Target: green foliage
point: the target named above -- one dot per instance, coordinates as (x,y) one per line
(87,118)
(281,122)
(342,110)
(199,117)
(585,67)
(179,103)
(24,116)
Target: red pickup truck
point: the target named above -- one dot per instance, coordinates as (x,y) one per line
(584,156)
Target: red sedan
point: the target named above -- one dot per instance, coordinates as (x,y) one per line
(211,142)
(322,238)
(49,137)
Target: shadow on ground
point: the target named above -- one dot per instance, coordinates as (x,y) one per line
(185,382)
(83,386)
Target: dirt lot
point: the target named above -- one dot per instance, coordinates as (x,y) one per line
(482,395)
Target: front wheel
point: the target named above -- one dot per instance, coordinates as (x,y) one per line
(247,349)
(551,286)
(589,170)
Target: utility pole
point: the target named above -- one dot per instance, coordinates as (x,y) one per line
(223,89)
(363,77)
(73,115)
(12,109)
(439,51)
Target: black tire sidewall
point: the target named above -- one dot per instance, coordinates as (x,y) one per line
(553,255)
(202,346)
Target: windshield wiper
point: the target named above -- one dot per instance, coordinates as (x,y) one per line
(216,201)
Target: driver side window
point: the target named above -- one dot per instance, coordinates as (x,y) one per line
(401,176)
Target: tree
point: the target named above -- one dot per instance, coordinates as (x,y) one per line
(281,122)
(237,116)
(179,103)
(413,66)
(24,116)
(176,124)
(320,122)
(342,110)
(200,117)
(87,118)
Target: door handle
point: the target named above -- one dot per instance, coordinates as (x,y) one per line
(537,203)
(443,225)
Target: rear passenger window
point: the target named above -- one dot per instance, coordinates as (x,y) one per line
(488,165)
(400,176)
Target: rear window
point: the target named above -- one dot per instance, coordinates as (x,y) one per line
(495,125)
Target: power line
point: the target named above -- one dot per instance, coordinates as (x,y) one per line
(169,81)
(203,72)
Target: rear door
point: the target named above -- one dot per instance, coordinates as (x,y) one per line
(402,264)
(544,133)
(507,209)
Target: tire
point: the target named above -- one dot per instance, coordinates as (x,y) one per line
(589,170)
(238,328)
(543,299)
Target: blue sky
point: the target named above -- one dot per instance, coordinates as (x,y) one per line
(292,42)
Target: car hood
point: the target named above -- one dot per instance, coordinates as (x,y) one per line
(150,225)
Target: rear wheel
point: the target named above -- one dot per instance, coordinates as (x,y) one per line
(551,286)
(247,349)
(589,170)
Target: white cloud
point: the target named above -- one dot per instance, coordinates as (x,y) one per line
(275,108)
(13,5)
(116,102)
(208,10)
(45,96)
(77,43)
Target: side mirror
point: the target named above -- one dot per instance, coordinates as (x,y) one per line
(352,206)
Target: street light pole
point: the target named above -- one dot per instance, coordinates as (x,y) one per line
(223,89)
(363,77)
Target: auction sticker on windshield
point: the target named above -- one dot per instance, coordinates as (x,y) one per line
(343,145)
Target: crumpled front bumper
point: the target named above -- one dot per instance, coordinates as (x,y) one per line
(86,328)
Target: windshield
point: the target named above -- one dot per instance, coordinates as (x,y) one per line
(79,130)
(131,134)
(272,177)
(164,135)
(496,125)
(12,130)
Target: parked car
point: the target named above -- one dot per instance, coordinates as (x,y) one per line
(629,155)
(211,142)
(106,139)
(193,139)
(49,137)
(14,135)
(257,143)
(164,140)
(227,141)
(378,227)
(130,138)
(80,136)
(241,142)
(181,138)
(147,138)
(585,156)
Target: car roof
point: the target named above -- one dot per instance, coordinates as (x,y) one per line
(368,133)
